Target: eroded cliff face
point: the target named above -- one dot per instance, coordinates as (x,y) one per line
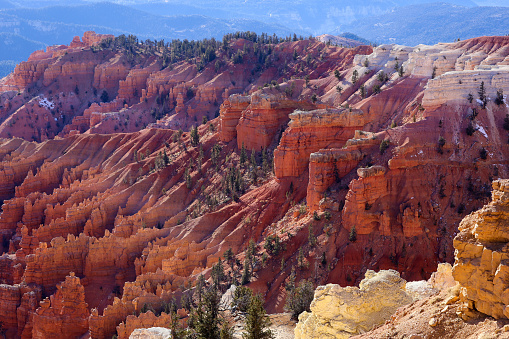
(368,174)
(65,314)
(481,256)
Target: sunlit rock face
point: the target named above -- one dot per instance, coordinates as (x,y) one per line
(481,256)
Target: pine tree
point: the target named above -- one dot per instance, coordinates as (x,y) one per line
(362,91)
(104,96)
(243,154)
(246,274)
(226,331)
(207,319)
(177,332)
(218,275)
(482,94)
(337,74)
(401,71)
(355,76)
(200,285)
(195,137)
(187,177)
(165,158)
(499,100)
(253,159)
(298,298)
(353,234)
(257,321)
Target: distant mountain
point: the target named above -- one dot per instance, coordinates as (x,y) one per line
(113,18)
(432,23)
(408,22)
(354,37)
(341,40)
(300,15)
(35,28)
(15,46)
(6,4)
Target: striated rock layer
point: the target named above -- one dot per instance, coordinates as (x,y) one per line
(374,166)
(481,256)
(65,314)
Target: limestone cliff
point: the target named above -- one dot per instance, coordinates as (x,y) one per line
(481,256)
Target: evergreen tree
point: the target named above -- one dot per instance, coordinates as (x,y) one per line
(218,275)
(353,234)
(482,94)
(499,100)
(226,331)
(298,298)
(195,137)
(200,285)
(105,97)
(165,158)
(228,255)
(401,71)
(355,76)
(337,75)
(177,332)
(362,91)
(243,155)
(257,321)
(253,159)
(246,274)
(206,322)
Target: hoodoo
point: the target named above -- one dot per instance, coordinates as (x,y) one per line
(132,172)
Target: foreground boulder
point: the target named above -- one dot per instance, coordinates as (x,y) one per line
(482,255)
(340,312)
(151,333)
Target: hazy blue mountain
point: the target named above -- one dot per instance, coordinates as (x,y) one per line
(15,46)
(117,18)
(34,28)
(6,4)
(440,23)
(45,3)
(34,24)
(317,17)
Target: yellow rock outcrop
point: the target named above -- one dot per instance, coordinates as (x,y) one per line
(340,312)
(482,256)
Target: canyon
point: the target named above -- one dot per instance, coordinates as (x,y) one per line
(127,171)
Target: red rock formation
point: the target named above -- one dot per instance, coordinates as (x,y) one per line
(230,113)
(65,314)
(91,38)
(269,111)
(145,320)
(136,226)
(311,131)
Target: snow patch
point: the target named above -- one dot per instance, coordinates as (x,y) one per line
(481,129)
(479,101)
(44,102)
